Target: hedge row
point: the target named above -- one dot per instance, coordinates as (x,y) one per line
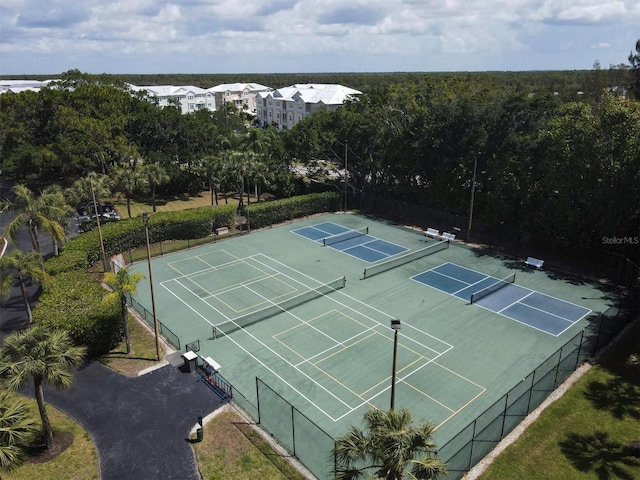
(129,234)
(72,302)
(277,211)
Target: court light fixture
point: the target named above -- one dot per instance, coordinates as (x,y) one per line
(395,325)
(145,218)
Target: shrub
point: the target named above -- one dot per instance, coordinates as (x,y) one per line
(277,211)
(73,302)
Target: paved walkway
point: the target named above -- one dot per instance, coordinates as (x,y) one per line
(140,425)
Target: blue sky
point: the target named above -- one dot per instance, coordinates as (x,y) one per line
(279,36)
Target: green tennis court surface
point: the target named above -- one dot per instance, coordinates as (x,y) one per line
(276,306)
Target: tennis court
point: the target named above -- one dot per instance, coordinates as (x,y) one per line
(357,243)
(537,310)
(279,308)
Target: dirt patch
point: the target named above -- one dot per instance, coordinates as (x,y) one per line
(61,441)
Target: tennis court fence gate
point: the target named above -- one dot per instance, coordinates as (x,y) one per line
(314,447)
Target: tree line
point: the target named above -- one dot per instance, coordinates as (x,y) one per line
(563,162)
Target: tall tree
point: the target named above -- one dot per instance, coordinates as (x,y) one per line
(17,428)
(391,446)
(33,212)
(23,267)
(60,212)
(44,355)
(128,180)
(211,168)
(155,175)
(634,60)
(81,190)
(122,284)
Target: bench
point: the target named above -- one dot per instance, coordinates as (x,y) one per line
(534,262)
(448,236)
(222,230)
(432,232)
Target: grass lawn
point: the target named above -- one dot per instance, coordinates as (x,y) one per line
(231,448)
(172,204)
(583,435)
(78,461)
(143,351)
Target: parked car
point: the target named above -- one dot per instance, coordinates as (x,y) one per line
(105,208)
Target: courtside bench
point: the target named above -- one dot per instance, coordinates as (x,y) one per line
(432,232)
(222,230)
(534,262)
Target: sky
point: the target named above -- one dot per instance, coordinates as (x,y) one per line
(288,36)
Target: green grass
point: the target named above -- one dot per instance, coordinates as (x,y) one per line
(143,351)
(172,204)
(79,461)
(582,435)
(231,448)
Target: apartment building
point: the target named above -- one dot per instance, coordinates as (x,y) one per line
(189,98)
(241,95)
(287,106)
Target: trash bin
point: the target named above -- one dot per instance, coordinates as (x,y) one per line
(190,361)
(199,434)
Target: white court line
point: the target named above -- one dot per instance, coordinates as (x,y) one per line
(264,365)
(341,293)
(287,362)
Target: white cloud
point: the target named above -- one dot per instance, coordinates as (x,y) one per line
(318,34)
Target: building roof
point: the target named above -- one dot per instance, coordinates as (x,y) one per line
(329,94)
(238,87)
(169,90)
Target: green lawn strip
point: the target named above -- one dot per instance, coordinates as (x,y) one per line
(231,448)
(582,435)
(78,461)
(143,351)
(173,204)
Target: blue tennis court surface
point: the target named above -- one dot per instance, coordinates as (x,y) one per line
(361,245)
(542,312)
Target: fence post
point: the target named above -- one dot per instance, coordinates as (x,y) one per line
(579,350)
(504,415)
(293,430)
(533,382)
(258,399)
(473,438)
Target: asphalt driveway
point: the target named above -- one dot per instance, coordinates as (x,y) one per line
(140,425)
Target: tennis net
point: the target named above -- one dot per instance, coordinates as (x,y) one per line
(403,259)
(274,309)
(341,237)
(493,288)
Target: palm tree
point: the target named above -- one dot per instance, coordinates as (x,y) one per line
(33,213)
(17,429)
(155,175)
(80,192)
(128,181)
(388,445)
(59,211)
(211,167)
(122,283)
(22,267)
(44,355)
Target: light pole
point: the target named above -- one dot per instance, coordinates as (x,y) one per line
(145,219)
(105,265)
(395,324)
(345,176)
(473,191)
